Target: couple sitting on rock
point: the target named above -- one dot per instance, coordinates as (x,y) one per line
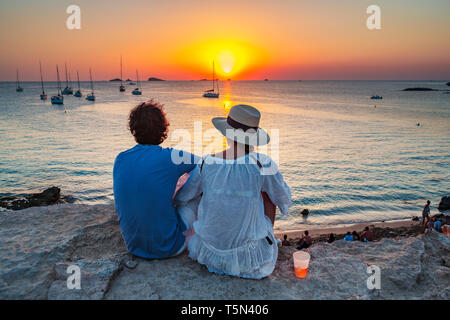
(218,215)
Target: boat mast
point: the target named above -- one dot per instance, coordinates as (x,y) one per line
(92,84)
(78,80)
(59,82)
(42,80)
(137,79)
(67,79)
(213,76)
(121,70)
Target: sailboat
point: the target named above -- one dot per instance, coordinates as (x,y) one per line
(58,99)
(212,92)
(67,89)
(43,94)
(137,91)
(121,88)
(78,92)
(91,96)
(18,87)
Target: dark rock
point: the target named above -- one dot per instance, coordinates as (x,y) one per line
(419,89)
(304,212)
(155,79)
(448,83)
(444,204)
(415,218)
(47,197)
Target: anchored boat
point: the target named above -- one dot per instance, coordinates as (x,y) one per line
(212,92)
(91,96)
(58,99)
(43,94)
(137,91)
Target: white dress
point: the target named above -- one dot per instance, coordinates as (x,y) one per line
(223,203)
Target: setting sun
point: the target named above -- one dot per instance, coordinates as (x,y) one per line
(226,60)
(233,59)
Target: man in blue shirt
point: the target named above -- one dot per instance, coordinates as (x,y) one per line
(145,178)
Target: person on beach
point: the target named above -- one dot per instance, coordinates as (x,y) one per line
(285,241)
(305,242)
(355,236)
(426,213)
(437,224)
(145,178)
(367,235)
(233,235)
(348,237)
(331,238)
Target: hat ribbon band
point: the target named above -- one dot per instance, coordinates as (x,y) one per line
(238,125)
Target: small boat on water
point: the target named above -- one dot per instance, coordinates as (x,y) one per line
(377,97)
(58,99)
(18,87)
(137,91)
(43,94)
(91,96)
(67,90)
(121,88)
(78,93)
(212,92)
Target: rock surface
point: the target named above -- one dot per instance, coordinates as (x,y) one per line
(38,244)
(444,204)
(49,196)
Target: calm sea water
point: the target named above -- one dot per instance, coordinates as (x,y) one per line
(344,159)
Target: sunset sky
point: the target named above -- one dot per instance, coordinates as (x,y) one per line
(276,39)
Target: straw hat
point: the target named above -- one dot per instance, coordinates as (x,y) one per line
(242,125)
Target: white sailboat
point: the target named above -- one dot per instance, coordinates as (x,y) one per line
(67,89)
(212,92)
(91,96)
(121,88)
(58,99)
(78,93)
(43,94)
(137,91)
(18,87)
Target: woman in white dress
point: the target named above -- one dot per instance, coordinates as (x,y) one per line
(223,201)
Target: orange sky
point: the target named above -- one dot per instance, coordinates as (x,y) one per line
(177,40)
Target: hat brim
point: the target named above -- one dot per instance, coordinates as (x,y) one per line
(250,137)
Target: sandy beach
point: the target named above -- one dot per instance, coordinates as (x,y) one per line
(40,243)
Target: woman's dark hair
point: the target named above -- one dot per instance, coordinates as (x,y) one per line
(148,124)
(306,232)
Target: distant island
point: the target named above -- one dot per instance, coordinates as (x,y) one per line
(203,80)
(419,89)
(116,79)
(155,79)
(128,80)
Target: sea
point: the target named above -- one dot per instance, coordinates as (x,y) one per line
(346,158)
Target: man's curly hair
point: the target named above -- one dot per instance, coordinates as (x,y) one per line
(148,124)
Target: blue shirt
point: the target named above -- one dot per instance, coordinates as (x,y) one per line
(348,238)
(437,225)
(145,178)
